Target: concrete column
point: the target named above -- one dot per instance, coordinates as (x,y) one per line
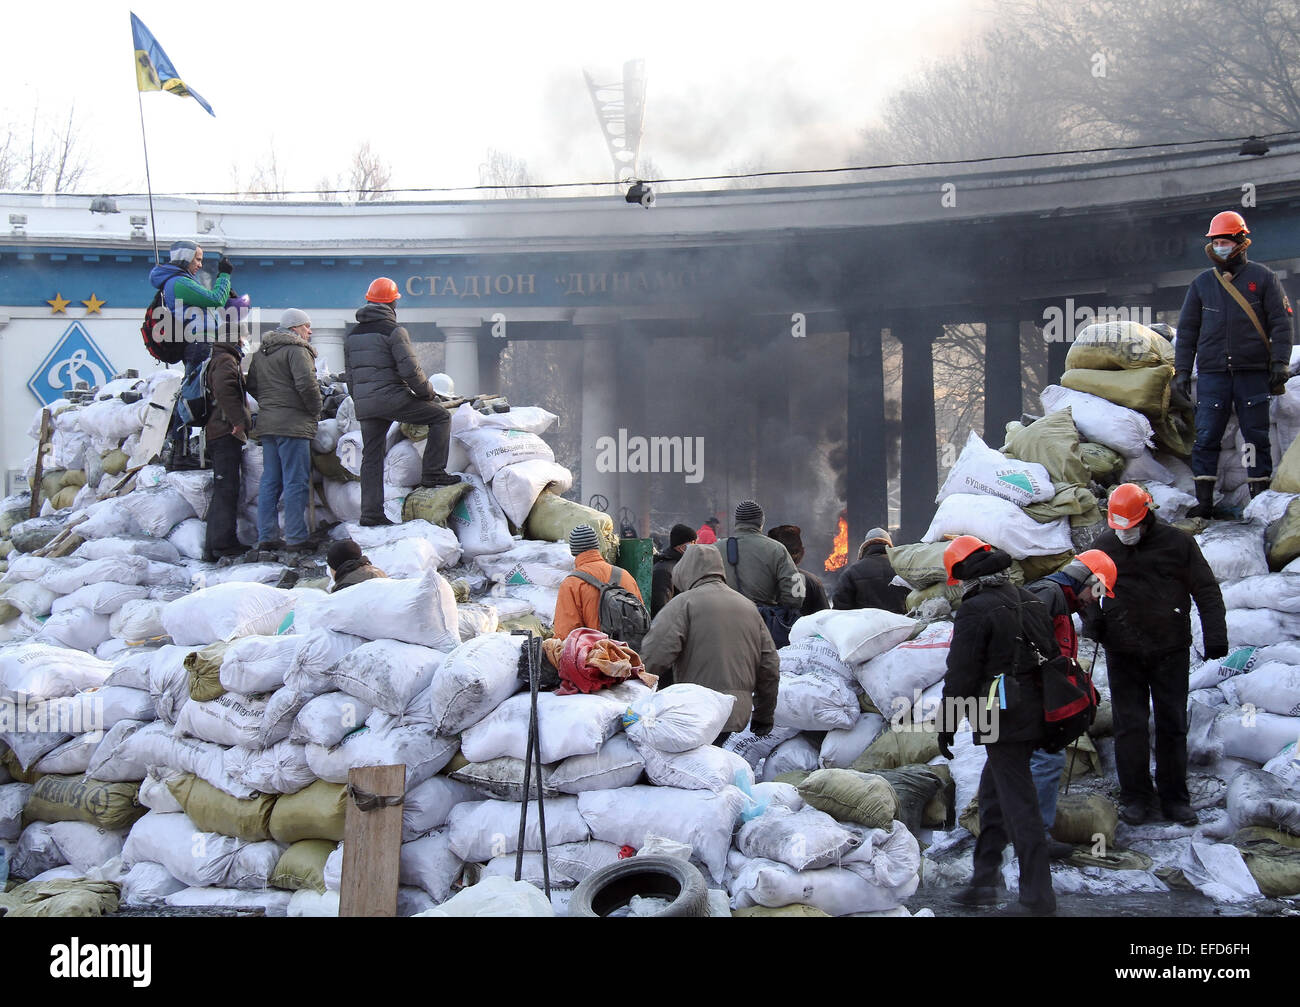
(489,365)
(866,481)
(1056,352)
(329,347)
(919,471)
(462,357)
(1003,399)
(633,361)
(599,418)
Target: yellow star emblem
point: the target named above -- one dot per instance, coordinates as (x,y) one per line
(59,305)
(93,305)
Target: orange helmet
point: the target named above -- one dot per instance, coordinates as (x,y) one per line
(1104,568)
(958,549)
(383,291)
(1227,224)
(1128,505)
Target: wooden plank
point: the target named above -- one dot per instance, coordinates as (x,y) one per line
(41,445)
(372,843)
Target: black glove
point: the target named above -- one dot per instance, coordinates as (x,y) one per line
(224,266)
(761,730)
(1183,385)
(1214,651)
(1278,373)
(945,743)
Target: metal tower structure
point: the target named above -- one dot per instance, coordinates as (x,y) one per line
(620,111)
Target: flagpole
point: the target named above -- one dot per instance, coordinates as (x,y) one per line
(153,225)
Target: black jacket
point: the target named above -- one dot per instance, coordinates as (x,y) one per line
(814,600)
(661,580)
(865,584)
(383,374)
(1158,578)
(1215,332)
(987,641)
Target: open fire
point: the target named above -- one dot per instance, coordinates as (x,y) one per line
(840,553)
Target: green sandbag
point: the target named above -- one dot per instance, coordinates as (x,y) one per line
(1038,567)
(528,622)
(204,666)
(864,798)
(11,517)
(78,799)
(1106,465)
(1176,430)
(315,812)
(866,705)
(11,765)
(1080,818)
(1104,724)
(1273,859)
(794,911)
(1052,442)
(114,462)
(64,897)
(1081,758)
(433,503)
(1283,537)
(969,819)
(328,465)
(926,795)
(794,777)
(898,748)
(51,483)
(553,517)
(920,564)
(213,810)
(1144,390)
(1112,860)
(1074,502)
(1287,477)
(75,478)
(302,865)
(1118,345)
(8,612)
(65,498)
(950,593)
(415,431)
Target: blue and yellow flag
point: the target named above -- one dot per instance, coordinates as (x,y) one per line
(154,71)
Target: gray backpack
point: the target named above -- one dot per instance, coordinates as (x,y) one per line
(621,615)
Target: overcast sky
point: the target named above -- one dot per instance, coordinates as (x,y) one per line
(433,86)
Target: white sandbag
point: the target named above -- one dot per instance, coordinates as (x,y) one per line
(1117,427)
(114,759)
(190,538)
(529,563)
(40,671)
(308,904)
(169,681)
(770,794)
(1286,767)
(431,864)
(797,754)
(13,796)
(428,805)
(982,470)
(111,648)
(815,703)
(85,846)
(103,598)
(419,611)
(494,897)
(1269,506)
(617,764)
(199,858)
(1259,797)
(701,819)
(443,540)
(502,779)
(1146,469)
(148,884)
(491,449)
(254,664)
(231,719)
(1000,523)
(1273,687)
(541,601)
(108,519)
(29,746)
(138,621)
(1172,503)
(343,499)
(402,465)
(77,628)
(195,486)
(481,830)
(754,749)
(318,651)
(281,768)
(567,725)
(26,566)
(1244,733)
(154,792)
(533,419)
(858,634)
(411,557)
(841,748)
(326,436)
(679,718)
(1256,627)
(805,840)
(273,902)
(814,654)
(227,611)
(703,768)
(578,861)
(328,718)
(1234,549)
(1219,872)
(478,521)
(386,674)
(31,599)
(907,670)
(72,757)
(282,711)
(100,709)
(106,548)
(37,852)
(476,677)
(1278,591)
(155,745)
(423,754)
(476,620)
(158,511)
(517,487)
(349,451)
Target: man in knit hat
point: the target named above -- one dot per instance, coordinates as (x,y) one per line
(349,566)
(761,569)
(661,580)
(791,536)
(579,602)
(866,583)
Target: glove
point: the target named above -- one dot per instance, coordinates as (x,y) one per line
(1214,651)
(945,743)
(761,730)
(1183,385)
(224,266)
(1278,373)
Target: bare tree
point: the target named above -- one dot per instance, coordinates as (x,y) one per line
(30,164)
(267,181)
(507,171)
(369,176)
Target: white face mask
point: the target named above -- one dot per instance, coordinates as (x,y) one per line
(1129,536)
(1223,249)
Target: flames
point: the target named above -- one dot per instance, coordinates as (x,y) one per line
(840,553)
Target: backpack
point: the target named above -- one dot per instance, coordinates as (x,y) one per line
(621,616)
(779,619)
(1069,698)
(158,320)
(195,403)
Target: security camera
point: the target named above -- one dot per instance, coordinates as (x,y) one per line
(641,193)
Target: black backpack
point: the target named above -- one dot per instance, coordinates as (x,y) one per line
(621,615)
(779,619)
(160,322)
(1070,699)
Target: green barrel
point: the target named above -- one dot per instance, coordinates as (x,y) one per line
(637,556)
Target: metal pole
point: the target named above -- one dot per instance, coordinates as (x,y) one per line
(153,226)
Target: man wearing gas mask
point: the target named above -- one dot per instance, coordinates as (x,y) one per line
(1146,630)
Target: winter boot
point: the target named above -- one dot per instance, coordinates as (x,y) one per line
(1204,499)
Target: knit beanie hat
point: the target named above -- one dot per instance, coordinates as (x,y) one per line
(749,512)
(880,535)
(182,251)
(294,316)
(342,551)
(583,538)
(680,535)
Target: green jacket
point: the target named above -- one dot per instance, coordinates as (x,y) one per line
(282,377)
(764,573)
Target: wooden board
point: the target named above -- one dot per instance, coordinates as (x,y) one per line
(42,444)
(372,844)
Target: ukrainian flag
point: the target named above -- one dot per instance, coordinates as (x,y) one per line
(154,71)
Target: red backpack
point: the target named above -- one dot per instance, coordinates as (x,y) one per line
(159,321)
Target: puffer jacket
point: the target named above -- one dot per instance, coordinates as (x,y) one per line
(282,377)
(382,372)
(712,636)
(226,380)
(175,282)
(989,639)
(1214,332)
(578,603)
(866,583)
(764,572)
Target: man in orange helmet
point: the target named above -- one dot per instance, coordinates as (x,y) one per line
(1146,630)
(1236,327)
(387,384)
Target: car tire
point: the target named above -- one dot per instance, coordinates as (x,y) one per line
(613,886)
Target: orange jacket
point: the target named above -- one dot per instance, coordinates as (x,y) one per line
(579,602)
